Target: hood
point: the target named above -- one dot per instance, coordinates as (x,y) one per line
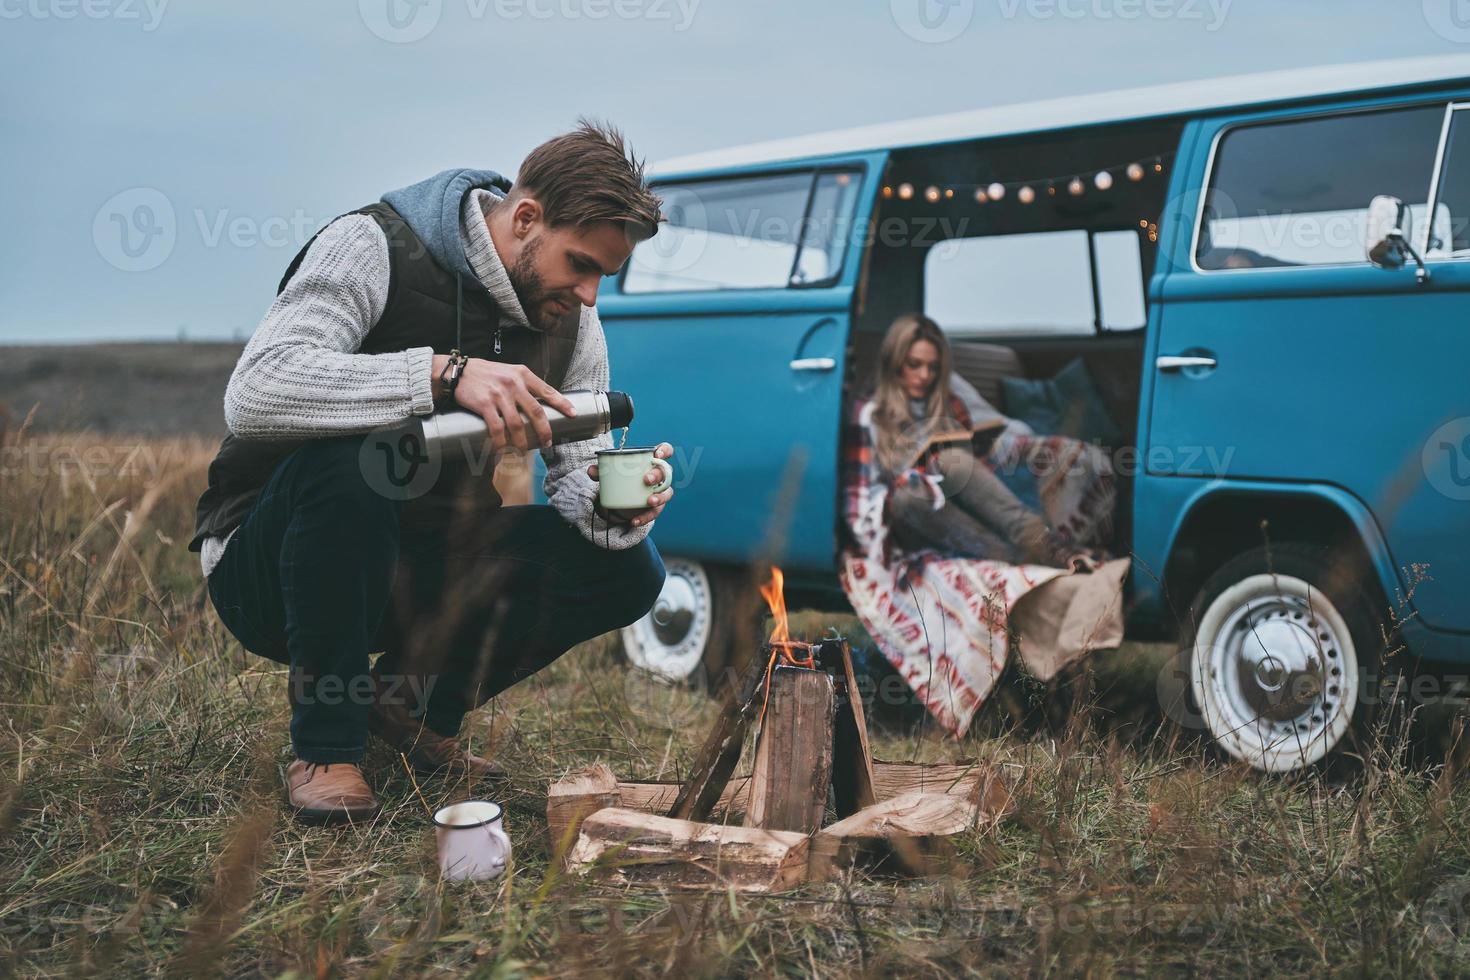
(432,209)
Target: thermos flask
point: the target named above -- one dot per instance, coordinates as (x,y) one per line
(404,461)
(447,433)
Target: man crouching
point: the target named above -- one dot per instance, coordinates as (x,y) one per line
(310,564)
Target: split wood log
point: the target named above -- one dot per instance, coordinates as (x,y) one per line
(585,791)
(978,782)
(793,759)
(913,828)
(571,800)
(657,797)
(643,848)
(852,757)
(721,750)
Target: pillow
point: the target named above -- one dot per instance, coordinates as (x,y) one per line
(1065,405)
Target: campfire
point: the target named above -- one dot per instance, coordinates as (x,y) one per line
(811,752)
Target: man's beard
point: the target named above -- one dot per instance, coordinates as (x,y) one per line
(530,290)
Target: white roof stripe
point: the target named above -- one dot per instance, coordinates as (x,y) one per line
(1082,110)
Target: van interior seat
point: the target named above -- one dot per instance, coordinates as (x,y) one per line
(983,365)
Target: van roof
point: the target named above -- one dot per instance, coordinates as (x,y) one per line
(1152,102)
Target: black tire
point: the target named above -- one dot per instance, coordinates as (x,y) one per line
(1282,650)
(699,625)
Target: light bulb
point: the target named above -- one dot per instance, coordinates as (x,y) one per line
(996,191)
(1075,187)
(1135,172)
(1026,195)
(980,197)
(1103,180)
(931,193)
(905,191)
(949,192)
(887,190)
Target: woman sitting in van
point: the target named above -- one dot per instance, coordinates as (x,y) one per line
(934,466)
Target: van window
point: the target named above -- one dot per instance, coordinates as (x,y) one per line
(1451,233)
(1297,193)
(828,226)
(1118,264)
(746,233)
(1035,283)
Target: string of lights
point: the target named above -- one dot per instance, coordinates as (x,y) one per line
(1027,191)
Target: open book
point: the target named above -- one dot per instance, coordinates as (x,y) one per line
(979,437)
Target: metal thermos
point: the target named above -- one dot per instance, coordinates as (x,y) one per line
(445,433)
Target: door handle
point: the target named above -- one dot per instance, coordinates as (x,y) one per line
(814,364)
(1177,362)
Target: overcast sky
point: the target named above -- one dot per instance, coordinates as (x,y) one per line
(254,126)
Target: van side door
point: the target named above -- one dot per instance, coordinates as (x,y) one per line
(1282,355)
(729,330)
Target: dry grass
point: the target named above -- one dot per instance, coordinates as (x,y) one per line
(141,830)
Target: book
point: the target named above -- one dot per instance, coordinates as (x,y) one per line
(980,437)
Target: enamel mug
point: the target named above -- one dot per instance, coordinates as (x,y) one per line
(472,841)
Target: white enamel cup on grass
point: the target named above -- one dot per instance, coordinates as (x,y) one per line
(472,841)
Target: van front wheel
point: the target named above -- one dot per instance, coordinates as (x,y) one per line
(1282,649)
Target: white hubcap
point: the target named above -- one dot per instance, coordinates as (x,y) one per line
(670,640)
(1275,673)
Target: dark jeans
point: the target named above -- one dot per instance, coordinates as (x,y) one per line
(319,576)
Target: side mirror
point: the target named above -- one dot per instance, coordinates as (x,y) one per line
(1386,237)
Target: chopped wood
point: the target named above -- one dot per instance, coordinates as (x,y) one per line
(644,848)
(913,828)
(658,796)
(793,760)
(976,781)
(571,800)
(852,757)
(721,750)
(585,791)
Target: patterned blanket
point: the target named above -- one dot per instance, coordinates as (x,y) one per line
(942,621)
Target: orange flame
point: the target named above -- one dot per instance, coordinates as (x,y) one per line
(775,596)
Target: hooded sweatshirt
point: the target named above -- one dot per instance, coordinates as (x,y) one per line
(300,375)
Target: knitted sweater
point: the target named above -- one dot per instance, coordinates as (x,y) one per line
(300,375)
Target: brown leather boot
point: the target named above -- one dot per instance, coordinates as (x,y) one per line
(428,752)
(329,792)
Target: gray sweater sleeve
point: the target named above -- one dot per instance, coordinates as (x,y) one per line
(568,488)
(301,375)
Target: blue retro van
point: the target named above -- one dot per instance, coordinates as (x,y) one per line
(1267,279)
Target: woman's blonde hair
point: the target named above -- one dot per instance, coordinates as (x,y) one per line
(899,434)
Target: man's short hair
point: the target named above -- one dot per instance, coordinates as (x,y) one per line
(590,175)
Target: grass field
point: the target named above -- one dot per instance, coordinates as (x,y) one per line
(141,829)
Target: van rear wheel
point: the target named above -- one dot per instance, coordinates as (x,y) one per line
(691,633)
(1284,646)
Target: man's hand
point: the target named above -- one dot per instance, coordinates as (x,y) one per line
(656,501)
(500,394)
